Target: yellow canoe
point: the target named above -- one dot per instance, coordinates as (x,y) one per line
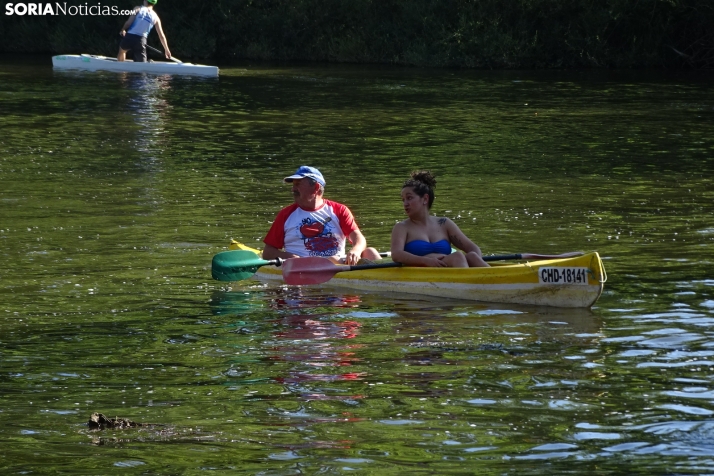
(563,282)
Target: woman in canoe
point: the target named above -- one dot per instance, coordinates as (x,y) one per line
(426,240)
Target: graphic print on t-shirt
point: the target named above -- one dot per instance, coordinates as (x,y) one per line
(318,237)
(321,232)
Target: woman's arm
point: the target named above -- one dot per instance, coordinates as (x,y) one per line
(459,239)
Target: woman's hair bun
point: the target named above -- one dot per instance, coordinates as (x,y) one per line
(425,177)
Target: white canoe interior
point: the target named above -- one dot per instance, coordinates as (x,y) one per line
(104,63)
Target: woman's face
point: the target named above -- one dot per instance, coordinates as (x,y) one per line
(412,202)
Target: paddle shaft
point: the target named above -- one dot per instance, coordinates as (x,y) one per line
(175,60)
(237,265)
(530,256)
(359,267)
(485,258)
(314,270)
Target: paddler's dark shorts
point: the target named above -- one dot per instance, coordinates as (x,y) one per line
(137,45)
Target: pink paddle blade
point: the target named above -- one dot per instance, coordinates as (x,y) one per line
(310,270)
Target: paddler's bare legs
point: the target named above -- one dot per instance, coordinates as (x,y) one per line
(455,260)
(475,261)
(370,253)
(121,56)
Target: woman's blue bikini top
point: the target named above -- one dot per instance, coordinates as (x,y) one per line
(423,248)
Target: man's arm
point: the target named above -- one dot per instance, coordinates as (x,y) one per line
(359,244)
(351,231)
(162,38)
(129,22)
(127,25)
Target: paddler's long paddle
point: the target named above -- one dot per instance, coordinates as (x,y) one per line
(320,270)
(531,256)
(237,265)
(175,60)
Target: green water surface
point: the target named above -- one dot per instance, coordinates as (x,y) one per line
(117,189)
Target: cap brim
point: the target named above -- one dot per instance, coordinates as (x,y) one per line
(293,177)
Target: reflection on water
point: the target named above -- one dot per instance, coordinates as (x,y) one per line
(148,108)
(118,189)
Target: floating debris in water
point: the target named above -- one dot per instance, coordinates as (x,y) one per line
(99,422)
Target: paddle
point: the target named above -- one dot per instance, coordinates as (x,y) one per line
(175,60)
(531,256)
(320,270)
(237,265)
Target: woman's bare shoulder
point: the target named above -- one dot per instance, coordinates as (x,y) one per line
(401,225)
(447,224)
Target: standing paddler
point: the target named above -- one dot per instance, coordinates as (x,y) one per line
(136,30)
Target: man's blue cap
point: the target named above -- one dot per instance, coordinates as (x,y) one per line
(307,172)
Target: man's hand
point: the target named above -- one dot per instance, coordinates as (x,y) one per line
(351,258)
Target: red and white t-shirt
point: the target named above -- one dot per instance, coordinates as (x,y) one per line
(320,232)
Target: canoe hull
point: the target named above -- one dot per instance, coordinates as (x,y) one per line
(103,63)
(532,283)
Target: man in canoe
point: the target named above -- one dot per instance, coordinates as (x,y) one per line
(426,240)
(136,30)
(314,226)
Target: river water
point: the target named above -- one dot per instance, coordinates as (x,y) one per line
(116,190)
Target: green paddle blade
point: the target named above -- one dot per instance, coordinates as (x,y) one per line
(236,265)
